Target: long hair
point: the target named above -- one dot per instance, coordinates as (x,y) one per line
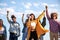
(2,21)
(53,14)
(33,15)
(25,22)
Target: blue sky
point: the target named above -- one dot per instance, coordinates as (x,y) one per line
(18,7)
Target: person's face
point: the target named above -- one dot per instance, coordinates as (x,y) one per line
(29,17)
(14,19)
(32,17)
(54,16)
(1,22)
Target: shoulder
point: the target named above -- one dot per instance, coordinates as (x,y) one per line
(10,21)
(18,23)
(37,19)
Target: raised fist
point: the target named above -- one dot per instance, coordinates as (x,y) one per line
(7,11)
(46,7)
(43,10)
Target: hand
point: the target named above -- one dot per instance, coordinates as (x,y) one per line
(46,7)
(43,10)
(29,17)
(46,30)
(23,14)
(7,13)
(22,17)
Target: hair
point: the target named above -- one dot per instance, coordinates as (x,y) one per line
(1,21)
(53,14)
(33,15)
(26,21)
(28,15)
(13,16)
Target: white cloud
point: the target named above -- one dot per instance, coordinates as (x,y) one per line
(13,2)
(33,11)
(3,4)
(53,5)
(27,5)
(0,9)
(36,4)
(10,9)
(44,4)
(52,10)
(30,11)
(50,5)
(36,13)
(3,11)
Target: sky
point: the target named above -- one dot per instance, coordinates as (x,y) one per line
(19,7)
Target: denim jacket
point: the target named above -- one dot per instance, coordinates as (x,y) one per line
(14,28)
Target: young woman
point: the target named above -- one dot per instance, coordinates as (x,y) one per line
(35,29)
(24,28)
(3,33)
(53,25)
(14,27)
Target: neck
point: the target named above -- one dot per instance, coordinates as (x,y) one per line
(32,19)
(14,21)
(54,19)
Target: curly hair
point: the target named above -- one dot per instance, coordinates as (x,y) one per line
(13,16)
(52,15)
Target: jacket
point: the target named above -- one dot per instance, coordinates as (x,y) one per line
(39,29)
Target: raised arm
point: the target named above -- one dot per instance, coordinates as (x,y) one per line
(28,23)
(8,17)
(41,15)
(48,17)
(44,22)
(23,18)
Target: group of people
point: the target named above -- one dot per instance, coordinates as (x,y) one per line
(33,27)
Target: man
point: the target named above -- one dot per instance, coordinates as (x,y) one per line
(25,29)
(14,28)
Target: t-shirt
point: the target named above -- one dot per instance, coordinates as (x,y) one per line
(2,30)
(33,25)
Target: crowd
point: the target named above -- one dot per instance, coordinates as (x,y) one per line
(33,27)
